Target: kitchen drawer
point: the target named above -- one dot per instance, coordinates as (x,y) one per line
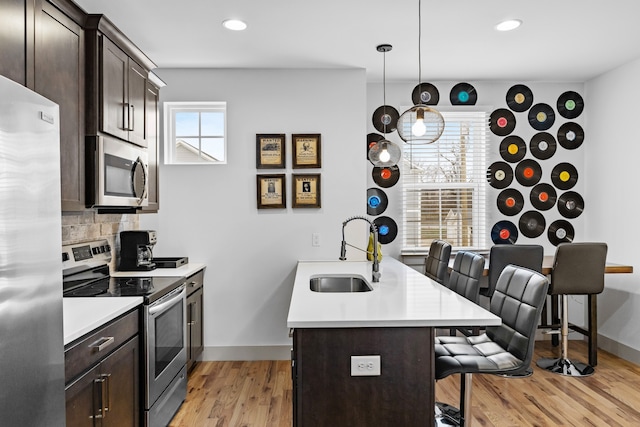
(195,282)
(88,350)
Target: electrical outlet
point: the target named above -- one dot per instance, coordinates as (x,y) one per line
(315,239)
(365,366)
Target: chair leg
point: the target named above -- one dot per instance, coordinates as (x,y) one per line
(563,365)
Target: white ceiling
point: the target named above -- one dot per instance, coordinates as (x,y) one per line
(560,40)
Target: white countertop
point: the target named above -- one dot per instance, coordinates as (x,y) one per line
(402,298)
(83,315)
(182,271)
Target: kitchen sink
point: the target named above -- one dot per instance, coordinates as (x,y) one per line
(339,283)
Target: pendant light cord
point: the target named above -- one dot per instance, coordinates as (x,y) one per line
(419,41)
(384,93)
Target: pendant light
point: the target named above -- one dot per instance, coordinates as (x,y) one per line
(420,124)
(384,153)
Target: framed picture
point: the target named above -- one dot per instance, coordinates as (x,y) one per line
(306,190)
(270,151)
(306,150)
(272,193)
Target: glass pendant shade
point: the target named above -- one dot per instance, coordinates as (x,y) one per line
(385,154)
(420,124)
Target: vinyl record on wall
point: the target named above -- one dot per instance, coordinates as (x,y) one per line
(426,94)
(564,176)
(500,175)
(385,115)
(377,201)
(372,138)
(532,224)
(543,145)
(386,177)
(513,149)
(541,116)
(570,204)
(570,104)
(571,135)
(502,122)
(504,232)
(519,98)
(387,229)
(510,202)
(543,196)
(528,172)
(560,231)
(463,94)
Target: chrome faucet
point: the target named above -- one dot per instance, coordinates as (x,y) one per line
(375,274)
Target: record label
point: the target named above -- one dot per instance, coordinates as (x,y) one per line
(510,202)
(426,94)
(541,116)
(570,204)
(543,197)
(560,231)
(528,172)
(504,232)
(377,201)
(519,98)
(387,229)
(570,135)
(386,177)
(513,149)
(570,105)
(543,145)
(385,118)
(463,94)
(532,224)
(502,122)
(564,176)
(499,175)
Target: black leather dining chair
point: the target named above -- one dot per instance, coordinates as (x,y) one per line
(505,349)
(436,264)
(464,280)
(578,269)
(528,256)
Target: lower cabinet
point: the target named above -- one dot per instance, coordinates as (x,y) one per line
(195,341)
(105,390)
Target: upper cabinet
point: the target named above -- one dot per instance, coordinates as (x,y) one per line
(16,32)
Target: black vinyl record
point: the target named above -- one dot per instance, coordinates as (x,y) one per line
(543,197)
(502,122)
(372,138)
(385,115)
(463,94)
(500,175)
(571,135)
(386,177)
(541,116)
(426,94)
(570,204)
(543,145)
(532,224)
(519,98)
(560,231)
(570,104)
(377,201)
(564,176)
(387,229)
(510,202)
(513,149)
(528,172)
(504,232)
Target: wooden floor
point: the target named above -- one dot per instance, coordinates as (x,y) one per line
(258,394)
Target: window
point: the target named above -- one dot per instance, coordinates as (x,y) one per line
(195,133)
(444,185)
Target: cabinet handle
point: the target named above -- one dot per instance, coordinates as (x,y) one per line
(131,116)
(192,284)
(100,393)
(102,343)
(107,384)
(125,116)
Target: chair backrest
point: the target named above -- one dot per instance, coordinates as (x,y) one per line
(578,269)
(436,265)
(518,300)
(465,275)
(528,256)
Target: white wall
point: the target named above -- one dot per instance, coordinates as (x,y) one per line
(612,173)
(209,213)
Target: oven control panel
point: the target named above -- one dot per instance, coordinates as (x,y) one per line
(88,253)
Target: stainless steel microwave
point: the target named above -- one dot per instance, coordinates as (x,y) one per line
(118,173)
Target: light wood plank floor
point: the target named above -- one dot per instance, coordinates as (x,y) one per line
(258,394)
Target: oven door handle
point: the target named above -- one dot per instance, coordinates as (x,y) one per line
(159,308)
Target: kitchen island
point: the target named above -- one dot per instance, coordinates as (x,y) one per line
(392,326)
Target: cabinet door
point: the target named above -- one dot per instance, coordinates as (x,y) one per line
(13,40)
(194,327)
(83,399)
(151,136)
(59,76)
(137,86)
(115,108)
(120,371)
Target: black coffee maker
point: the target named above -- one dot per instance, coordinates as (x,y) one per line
(136,250)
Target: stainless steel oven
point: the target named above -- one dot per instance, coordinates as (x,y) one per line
(117,173)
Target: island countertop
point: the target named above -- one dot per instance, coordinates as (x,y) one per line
(402,298)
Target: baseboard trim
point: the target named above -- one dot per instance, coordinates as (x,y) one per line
(246,353)
(621,350)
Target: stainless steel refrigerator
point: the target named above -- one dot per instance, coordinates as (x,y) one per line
(31,337)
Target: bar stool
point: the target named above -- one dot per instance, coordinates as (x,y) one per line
(464,280)
(528,256)
(437,261)
(578,269)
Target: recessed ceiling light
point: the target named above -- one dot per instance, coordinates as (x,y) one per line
(508,25)
(234,24)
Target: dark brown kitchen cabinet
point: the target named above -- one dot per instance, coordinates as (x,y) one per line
(151,111)
(104,390)
(195,341)
(16,33)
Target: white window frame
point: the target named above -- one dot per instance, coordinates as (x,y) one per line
(170,110)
